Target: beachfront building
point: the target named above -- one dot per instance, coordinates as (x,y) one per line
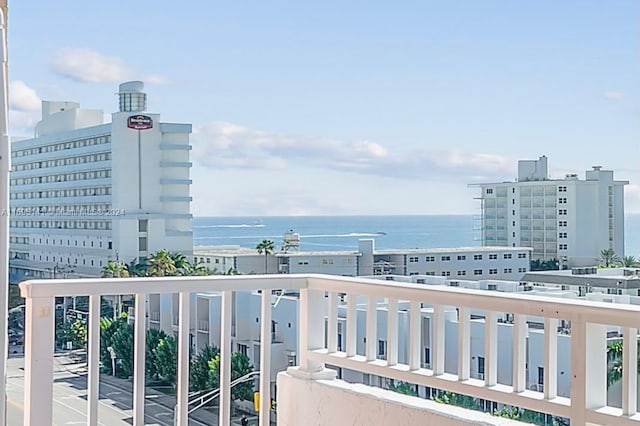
(84,192)
(473,263)
(568,219)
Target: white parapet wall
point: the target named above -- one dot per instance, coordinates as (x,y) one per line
(335,402)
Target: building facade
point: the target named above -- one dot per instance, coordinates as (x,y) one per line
(568,219)
(84,192)
(471,263)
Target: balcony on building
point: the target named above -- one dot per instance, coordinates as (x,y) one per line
(332,350)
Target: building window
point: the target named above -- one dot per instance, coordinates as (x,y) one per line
(477,257)
(507,270)
(489,191)
(413,259)
(462,257)
(462,273)
(562,223)
(142,244)
(493,256)
(562,189)
(382,349)
(143,225)
(562,235)
(477,272)
(562,246)
(430,259)
(562,200)
(445,258)
(446,273)
(522,269)
(507,256)
(493,271)
(522,255)
(562,211)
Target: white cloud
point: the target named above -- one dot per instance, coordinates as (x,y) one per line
(87,66)
(228,145)
(612,95)
(23,97)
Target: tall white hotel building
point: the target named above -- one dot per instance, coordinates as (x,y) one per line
(84,192)
(568,219)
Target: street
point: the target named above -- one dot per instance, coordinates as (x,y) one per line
(70,404)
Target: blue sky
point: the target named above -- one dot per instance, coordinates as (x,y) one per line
(359,108)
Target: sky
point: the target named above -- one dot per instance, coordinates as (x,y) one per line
(350,108)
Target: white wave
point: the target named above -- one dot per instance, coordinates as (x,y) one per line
(348,235)
(240,225)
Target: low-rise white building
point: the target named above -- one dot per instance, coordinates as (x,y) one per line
(472,263)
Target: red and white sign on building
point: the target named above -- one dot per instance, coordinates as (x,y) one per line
(139,122)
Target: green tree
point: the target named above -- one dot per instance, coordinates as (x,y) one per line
(199,371)
(267,247)
(72,331)
(161,264)
(166,356)
(240,366)
(114,270)
(137,269)
(608,257)
(614,362)
(116,333)
(152,340)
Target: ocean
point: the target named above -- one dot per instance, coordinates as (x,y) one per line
(319,233)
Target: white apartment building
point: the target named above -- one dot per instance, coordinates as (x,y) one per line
(473,263)
(84,192)
(245,332)
(568,219)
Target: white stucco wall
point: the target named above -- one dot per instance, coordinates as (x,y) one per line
(337,403)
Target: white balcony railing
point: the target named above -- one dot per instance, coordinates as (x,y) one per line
(319,300)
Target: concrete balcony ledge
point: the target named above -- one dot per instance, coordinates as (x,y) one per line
(336,403)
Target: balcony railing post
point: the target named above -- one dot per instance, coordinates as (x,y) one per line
(588,377)
(550,358)
(392,332)
(93,359)
(490,348)
(630,372)
(225,358)
(182,396)
(519,352)
(311,328)
(438,340)
(38,361)
(372,329)
(332,322)
(464,344)
(265,358)
(139,335)
(415,335)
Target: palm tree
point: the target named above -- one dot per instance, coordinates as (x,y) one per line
(136,269)
(267,247)
(614,362)
(161,264)
(181,262)
(114,270)
(629,261)
(608,257)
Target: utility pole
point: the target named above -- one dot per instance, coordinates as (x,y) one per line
(5,167)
